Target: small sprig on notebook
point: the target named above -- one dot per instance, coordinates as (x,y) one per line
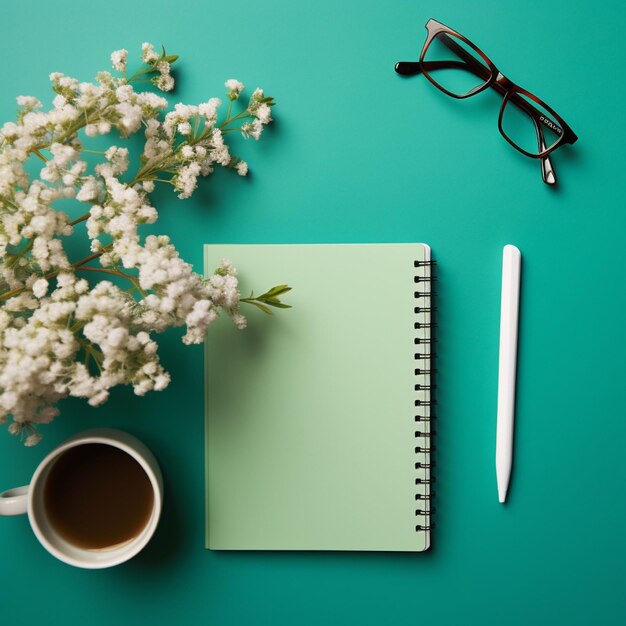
(268,299)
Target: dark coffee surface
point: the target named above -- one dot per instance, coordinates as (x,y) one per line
(97,496)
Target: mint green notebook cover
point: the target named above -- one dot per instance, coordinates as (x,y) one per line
(311,434)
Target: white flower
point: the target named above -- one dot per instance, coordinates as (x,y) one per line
(209,109)
(119,58)
(234,88)
(252,129)
(40,288)
(242,168)
(165,82)
(90,190)
(129,117)
(148,56)
(28,102)
(118,157)
(150,102)
(186,180)
(32,440)
(63,154)
(264,113)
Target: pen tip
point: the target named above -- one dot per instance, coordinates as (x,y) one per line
(501,497)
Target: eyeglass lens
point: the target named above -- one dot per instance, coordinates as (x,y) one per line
(521,119)
(454,66)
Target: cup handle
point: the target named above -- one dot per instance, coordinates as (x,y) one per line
(14,501)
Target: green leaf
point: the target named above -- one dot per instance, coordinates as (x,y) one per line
(277,291)
(262,307)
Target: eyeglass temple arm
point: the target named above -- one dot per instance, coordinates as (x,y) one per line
(410,68)
(547,169)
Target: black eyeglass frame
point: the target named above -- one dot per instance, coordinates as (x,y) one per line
(498,81)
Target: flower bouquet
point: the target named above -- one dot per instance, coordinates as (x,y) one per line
(78,327)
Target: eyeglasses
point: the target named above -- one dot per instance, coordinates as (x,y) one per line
(453,64)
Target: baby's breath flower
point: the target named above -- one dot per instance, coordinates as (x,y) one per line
(40,288)
(165,82)
(32,440)
(263,114)
(209,109)
(60,335)
(28,102)
(234,88)
(119,58)
(148,55)
(252,129)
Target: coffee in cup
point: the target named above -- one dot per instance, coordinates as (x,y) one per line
(94,501)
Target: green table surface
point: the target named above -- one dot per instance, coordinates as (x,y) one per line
(359,154)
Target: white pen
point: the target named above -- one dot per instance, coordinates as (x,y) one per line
(509,314)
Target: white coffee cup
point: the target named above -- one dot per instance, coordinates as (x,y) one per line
(29,499)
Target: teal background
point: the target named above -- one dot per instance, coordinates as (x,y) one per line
(359,154)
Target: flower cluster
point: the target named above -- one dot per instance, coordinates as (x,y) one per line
(61,335)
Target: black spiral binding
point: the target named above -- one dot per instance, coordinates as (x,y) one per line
(424,404)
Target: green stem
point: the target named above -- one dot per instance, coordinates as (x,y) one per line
(104,270)
(80,219)
(10,203)
(143,172)
(237,117)
(230,108)
(91,351)
(77,265)
(135,283)
(20,254)
(72,130)
(91,257)
(140,72)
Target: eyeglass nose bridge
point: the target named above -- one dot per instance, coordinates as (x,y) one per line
(503,81)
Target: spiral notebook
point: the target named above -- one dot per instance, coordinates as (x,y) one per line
(318,417)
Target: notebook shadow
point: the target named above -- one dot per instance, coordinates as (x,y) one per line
(329,557)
